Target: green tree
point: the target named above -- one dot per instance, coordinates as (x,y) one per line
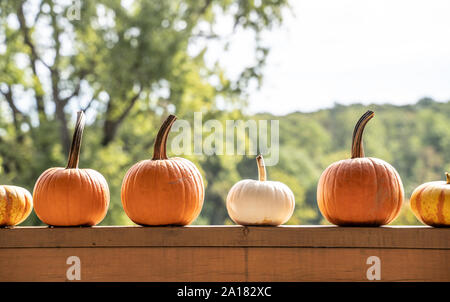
(127,64)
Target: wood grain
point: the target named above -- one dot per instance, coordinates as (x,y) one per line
(225,253)
(220,236)
(123,264)
(223,264)
(347,264)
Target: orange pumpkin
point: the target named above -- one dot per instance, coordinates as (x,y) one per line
(71,196)
(361,191)
(163,191)
(15,205)
(430,202)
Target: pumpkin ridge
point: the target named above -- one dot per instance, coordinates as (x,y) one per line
(327,201)
(196,195)
(37,189)
(142,170)
(103,192)
(391,201)
(11,197)
(76,215)
(94,192)
(14,214)
(80,178)
(400,194)
(321,193)
(24,206)
(440,208)
(200,194)
(133,184)
(40,179)
(180,175)
(419,205)
(377,201)
(68,197)
(8,210)
(333,200)
(197,181)
(388,174)
(29,205)
(100,190)
(50,181)
(126,183)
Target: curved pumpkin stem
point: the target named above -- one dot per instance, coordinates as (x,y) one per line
(74,154)
(261,168)
(447,175)
(159,149)
(357,145)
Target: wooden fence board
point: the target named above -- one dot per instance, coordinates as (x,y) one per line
(287,236)
(225,253)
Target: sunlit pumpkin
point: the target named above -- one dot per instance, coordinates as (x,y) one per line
(430,202)
(162,190)
(260,202)
(361,191)
(15,205)
(71,196)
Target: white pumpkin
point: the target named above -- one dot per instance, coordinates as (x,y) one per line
(260,202)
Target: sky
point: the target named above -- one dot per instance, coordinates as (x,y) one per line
(350,51)
(344,51)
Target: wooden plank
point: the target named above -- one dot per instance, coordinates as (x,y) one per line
(123,264)
(223,264)
(347,264)
(227,236)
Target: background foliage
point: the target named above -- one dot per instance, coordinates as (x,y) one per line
(130,63)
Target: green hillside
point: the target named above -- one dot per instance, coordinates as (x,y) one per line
(412,138)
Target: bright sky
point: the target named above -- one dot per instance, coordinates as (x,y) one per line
(347,51)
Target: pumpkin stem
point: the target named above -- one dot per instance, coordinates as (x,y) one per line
(261,168)
(159,149)
(448,177)
(74,154)
(357,145)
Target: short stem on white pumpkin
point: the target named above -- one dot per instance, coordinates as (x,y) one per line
(74,154)
(261,168)
(447,175)
(357,145)
(159,149)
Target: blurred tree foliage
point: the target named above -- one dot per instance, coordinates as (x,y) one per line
(127,64)
(130,63)
(412,138)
